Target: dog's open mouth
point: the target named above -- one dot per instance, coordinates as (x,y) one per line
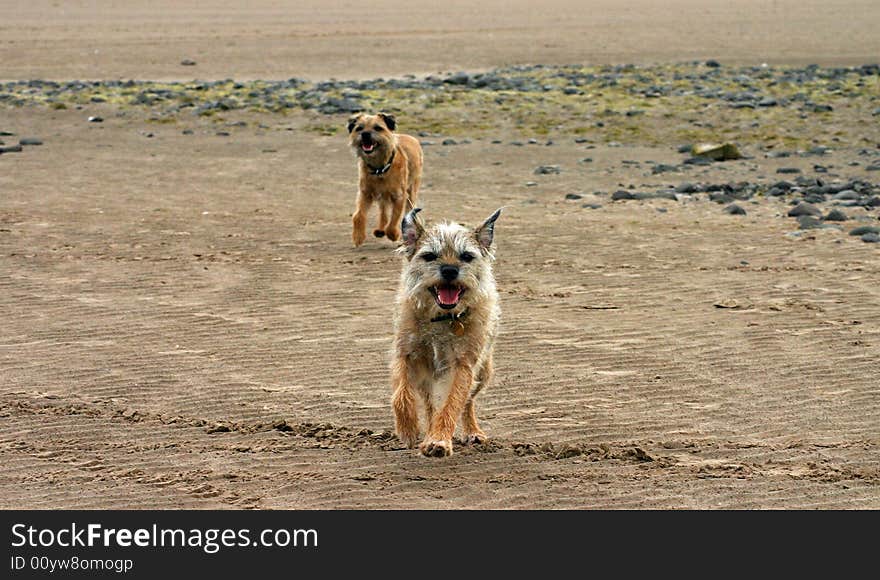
(447,295)
(368,147)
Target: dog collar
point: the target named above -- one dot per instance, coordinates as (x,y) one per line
(457,325)
(384,169)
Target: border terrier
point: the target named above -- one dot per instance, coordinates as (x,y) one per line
(390,169)
(447,320)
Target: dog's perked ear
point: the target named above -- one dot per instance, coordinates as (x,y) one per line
(352,121)
(411,230)
(390,121)
(486,232)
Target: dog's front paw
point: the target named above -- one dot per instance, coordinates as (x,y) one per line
(436,447)
(358,237)
(393,234)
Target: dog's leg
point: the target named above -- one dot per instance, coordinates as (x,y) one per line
(406,415)
(382,224)
(359,219)
(393,230)
(470,428)
(438,442)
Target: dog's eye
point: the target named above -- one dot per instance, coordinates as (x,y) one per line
(359,128)
(429,256)
(378,128)
(466,257)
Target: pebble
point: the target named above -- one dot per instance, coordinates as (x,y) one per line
(734,209)
(449,142)
(862,230)
(871,238)
(573,196)
(10,149)
(686,187)
(808,222)
(547,170)
(592,205)
(873,167)
(835,215)
(788,170)
(187,62)
(622,194)
(96,120)
(804,209)
(30,141)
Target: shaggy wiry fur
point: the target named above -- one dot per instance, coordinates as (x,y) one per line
(448,317)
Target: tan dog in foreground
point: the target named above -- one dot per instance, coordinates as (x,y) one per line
(447,320)
(390,167)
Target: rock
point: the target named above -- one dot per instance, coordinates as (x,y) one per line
(716,151)
(547,170)
(96,120)
(573,196)
(10,149)
(686,187)
(685,148)
(872,201)
(845,195)
(835,215)
(187,62)
(873,167)
(663,168)
(712,63)
(449,142)
(862,230)
(30,141)
(697,161)
(808,222)
(871,238)
(587,160)
(789,170)
(803,208)
(768,102)
(592,205)
(720,197)
(459,78)
(621,194)
(734,209)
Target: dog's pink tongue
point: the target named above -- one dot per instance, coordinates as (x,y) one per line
(448,294)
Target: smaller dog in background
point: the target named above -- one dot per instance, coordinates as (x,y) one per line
(445,329)
(390,169)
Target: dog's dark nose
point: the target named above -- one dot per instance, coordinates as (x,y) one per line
(448,272)
(366,137)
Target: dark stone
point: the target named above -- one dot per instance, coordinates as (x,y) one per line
(713,63)
(872,201)
(449,142)
(187,62)
(573,196)
(10,149)
(862,230)
(734,209)
(592,206)
(697,161)
(622,194)
(685,148)
(30,141)
(871,238)
(721,197)
(547,170)
(768,102)
(686,187)
(804,209)
(808,222)
(788,170)
(587,160)
(835,215)
(96,120)
(873,167)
